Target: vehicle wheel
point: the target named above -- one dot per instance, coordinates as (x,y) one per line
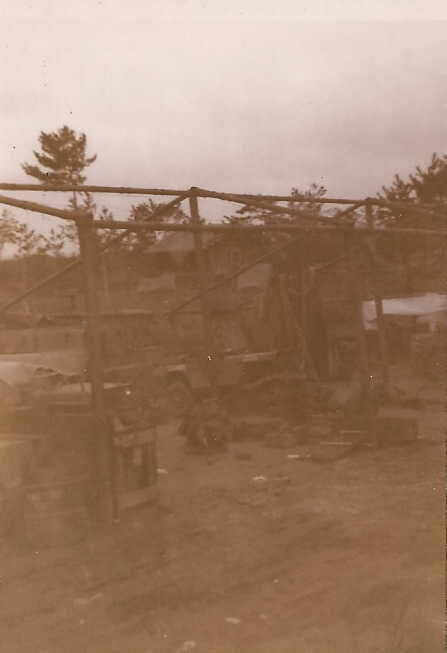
(179,399)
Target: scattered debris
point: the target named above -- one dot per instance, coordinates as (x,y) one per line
(288,436)
(87,600)
(232,620)
(338,444)
(280,440)
(282,480)
(328,454)
(257,428)
(207,427)
(189,645)
(243,455)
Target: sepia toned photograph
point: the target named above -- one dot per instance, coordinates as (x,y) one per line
(223,320)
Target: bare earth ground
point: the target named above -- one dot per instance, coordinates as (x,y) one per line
(345,557)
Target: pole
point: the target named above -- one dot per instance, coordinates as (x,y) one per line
(102,446)
(381,327)
(353,272)
(202,275)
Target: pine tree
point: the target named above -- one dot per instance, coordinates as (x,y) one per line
(63,153)
(63,159)
(424,186)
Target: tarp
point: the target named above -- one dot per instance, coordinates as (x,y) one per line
(416,306)
(66,362)
(16,373)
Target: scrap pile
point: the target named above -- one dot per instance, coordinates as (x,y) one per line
(207,427)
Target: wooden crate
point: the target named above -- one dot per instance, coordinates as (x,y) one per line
(135,467)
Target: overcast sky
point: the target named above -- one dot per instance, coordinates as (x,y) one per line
(233,96)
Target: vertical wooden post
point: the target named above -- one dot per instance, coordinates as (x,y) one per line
(303,282)
(357,302)
(202,275)
(296,338)
(287,312)
(102,444)
(381,327)
(362,345)
(105,284)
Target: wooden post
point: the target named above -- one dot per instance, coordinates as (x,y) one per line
(202,276)
(381,327)
(296,338)
(357,302)
(102,446)
(362,345)
(287,312)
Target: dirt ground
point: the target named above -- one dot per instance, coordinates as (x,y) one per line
(343,557)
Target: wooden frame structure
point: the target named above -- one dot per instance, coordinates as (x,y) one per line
(305,222)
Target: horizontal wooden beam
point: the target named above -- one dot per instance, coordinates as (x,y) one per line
(245,198)
(331,223)
(236,228)
(201,192)
(273,208)
(40,208)
(63,188)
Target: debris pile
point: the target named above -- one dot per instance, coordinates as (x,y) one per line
(207,427)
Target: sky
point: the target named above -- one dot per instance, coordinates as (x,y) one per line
(234,96)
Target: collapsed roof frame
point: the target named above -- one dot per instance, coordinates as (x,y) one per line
(308,222)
